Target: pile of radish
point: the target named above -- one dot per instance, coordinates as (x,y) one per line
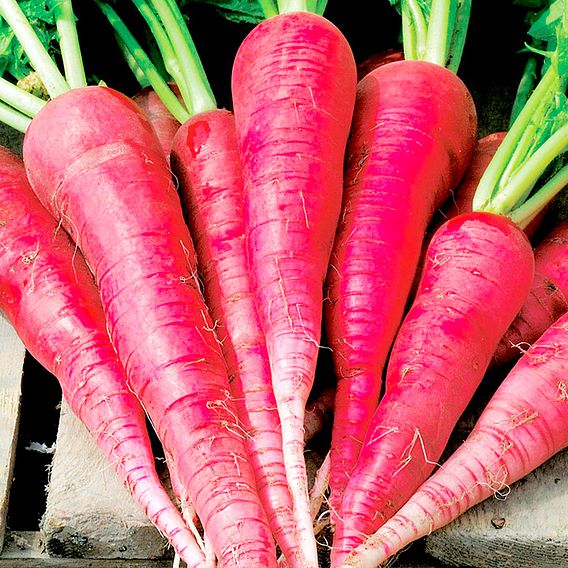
(171,260)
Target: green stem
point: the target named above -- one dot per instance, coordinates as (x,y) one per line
(416,30)
(144,63)
(268,7)
(524,179)
(526,85)
(437,43)
(19,99)
(457,43)
(165,47)
(492,175)
(14,118)
(534,205)
(40,60)
(292,6)
(69,44)
(526,143)
(201,96)
(132,64)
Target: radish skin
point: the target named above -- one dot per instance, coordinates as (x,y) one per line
(157,113)
(116,198)
(404,155)
(547,300)
(524,424)
(477,275)
(378,60)
(205,159)
(49,295)
(293,85)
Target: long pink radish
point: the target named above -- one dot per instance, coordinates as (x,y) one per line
(206,161)
(404,156)
(49,295)
(478,272)
(547,300)
(293,87)
(113,193)
(523,425)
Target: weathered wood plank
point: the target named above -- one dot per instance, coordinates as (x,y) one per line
(89,513)
(527,529)
(12,354)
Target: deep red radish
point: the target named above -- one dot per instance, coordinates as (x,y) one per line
(162,120)
(523,425)
(478,272)
(48,294)
(95,161)
(378,60)
(206,161)
(404,156)
(547,300)
(293,86)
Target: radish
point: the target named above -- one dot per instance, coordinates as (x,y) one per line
(522,426)
(162,119)
(95,162)
(406,152)
(547,300)
(206,162)
(478,273)
(293,85)
(378,60)
(48,294)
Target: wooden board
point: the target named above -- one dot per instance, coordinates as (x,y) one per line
(527,529)
(12,354)
(89,513)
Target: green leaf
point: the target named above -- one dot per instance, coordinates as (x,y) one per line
(321,6)
(544,28)
(13,60)
(240,11)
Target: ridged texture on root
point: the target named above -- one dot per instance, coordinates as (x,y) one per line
(523,425)
(478,272)
(206,161)
(293,87)
(49,295)
(405,154)
(95,161)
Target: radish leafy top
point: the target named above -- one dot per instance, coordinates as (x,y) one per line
(34,32)
(530,167)
(254,11)
(434,30)
(177,51)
